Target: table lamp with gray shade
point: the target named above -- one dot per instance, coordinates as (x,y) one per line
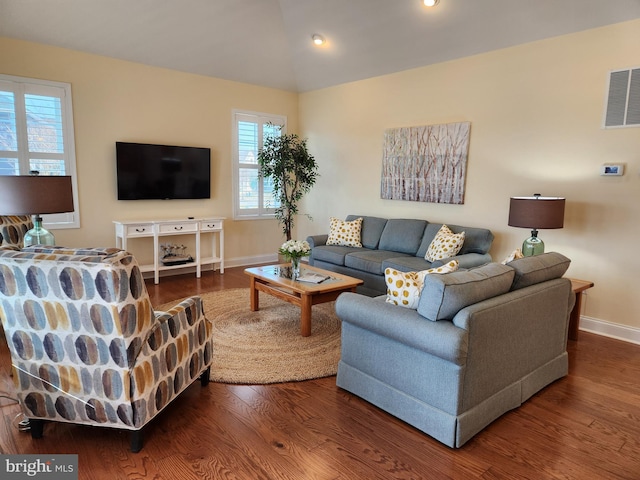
(35,195)
(536,212)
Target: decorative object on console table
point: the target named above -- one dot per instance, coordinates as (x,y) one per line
(173,254)
(536,212)
(35,195)
(292,169)
(293,251)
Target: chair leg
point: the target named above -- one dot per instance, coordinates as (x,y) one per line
(204,377)
(36,426)
(136,441)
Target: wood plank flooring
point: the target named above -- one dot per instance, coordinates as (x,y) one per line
(584,426)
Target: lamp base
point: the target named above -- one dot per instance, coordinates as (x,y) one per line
(532,246)
(38,235)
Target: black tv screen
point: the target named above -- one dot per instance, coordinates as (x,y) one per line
(162,172)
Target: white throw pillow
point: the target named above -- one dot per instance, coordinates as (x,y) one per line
(346,234)
(403,288)
(446,244)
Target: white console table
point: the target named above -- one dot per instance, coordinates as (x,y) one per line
(164,228)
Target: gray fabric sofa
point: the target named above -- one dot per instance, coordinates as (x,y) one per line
(480,343)
(396,243)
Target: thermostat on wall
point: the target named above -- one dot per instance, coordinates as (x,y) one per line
(612,169)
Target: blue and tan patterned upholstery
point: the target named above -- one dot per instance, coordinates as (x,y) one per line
(86,344)
(13,228)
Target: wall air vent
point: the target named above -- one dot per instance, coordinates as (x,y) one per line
(623,100)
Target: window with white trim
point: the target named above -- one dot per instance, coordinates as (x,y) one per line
(253,195)
(36,133)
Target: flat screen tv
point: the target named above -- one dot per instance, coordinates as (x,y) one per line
(162,172)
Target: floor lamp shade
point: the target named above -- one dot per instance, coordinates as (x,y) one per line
(35,195)
(536,212)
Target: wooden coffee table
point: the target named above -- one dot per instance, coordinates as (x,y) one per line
(272,279)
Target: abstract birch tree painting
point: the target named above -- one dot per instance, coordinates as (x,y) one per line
(426,164)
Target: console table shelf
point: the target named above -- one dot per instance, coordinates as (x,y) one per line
(156,229)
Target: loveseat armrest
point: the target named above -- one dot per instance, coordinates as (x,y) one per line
(406,326)
(468,260)
(317,240)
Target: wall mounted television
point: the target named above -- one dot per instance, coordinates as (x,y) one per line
(162,172)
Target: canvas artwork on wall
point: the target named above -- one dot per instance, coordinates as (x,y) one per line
(426,164)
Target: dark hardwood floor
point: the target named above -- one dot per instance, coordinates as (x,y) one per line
(584,426)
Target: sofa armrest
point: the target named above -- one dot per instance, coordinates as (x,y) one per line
(468,260)
(513,335)
(317,240)
(406,326)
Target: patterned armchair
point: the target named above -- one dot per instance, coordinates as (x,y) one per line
(13,228)
(86,345)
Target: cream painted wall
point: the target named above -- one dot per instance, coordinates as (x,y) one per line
(115,100)
(536,112)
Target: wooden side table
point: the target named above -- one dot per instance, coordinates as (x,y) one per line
(578,286)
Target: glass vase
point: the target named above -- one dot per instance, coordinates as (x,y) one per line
(295,267)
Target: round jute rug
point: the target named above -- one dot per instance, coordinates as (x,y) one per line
(265,346)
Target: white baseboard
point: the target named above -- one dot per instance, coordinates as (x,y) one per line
(242,261)
(233,262)
(608,329)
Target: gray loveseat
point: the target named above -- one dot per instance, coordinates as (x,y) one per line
(400,244)
(480,343)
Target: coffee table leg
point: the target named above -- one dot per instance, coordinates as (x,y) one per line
(253,292)
(305,316)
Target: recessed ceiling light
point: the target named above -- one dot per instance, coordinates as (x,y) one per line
(431,3)
(318,39)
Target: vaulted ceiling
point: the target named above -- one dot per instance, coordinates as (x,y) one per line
(268,42)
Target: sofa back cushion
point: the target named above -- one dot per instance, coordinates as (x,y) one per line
(538,268)
(402,235)
(444,295)
(371,229)
(476,240)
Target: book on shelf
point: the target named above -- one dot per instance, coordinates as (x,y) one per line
(312,277)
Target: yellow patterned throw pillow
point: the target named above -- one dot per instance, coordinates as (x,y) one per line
(403,288)
(346,234)
(445,244)
(516,254)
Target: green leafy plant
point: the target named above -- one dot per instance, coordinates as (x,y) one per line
(293,170)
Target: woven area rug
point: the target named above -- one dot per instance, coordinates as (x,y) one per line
(265,346)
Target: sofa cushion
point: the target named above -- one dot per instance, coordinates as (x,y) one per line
(406,263)
(446,244)
(402,235)
(476,240)
(445,295)
(334,254)
(403,288)
(538,268)
(344,233)
(371,229)
(369,260)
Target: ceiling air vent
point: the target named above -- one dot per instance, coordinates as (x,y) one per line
(623,100)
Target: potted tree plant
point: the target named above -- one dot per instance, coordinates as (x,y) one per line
(286,161)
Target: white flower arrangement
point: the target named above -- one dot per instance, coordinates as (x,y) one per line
(295,249)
